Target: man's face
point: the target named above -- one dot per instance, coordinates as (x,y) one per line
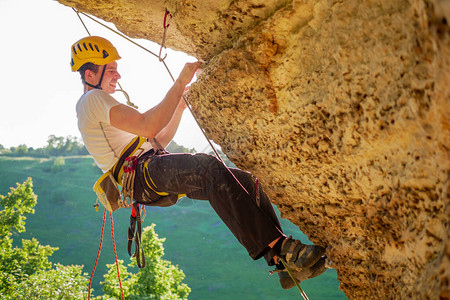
(109,78)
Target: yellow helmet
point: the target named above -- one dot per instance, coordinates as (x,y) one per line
(93,49)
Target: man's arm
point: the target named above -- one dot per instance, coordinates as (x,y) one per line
(150,123)
(167,133)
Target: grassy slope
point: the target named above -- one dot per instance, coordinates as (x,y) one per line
(216,266)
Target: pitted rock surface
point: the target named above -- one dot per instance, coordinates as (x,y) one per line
(341,108)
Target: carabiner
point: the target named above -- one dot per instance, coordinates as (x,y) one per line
(166,25)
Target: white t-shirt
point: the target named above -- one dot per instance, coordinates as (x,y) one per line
(103,141)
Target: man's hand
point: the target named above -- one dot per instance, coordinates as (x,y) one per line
(188,73)
(161,120)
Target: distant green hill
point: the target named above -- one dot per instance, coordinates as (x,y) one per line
(215,264)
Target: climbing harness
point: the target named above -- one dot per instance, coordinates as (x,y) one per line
(132,149)
(122,173)
(129,165)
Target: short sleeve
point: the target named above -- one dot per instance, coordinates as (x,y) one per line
(97,105)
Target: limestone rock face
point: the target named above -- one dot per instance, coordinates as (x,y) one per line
(341,108)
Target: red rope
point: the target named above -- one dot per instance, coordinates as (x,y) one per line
(98,255)
(115,255)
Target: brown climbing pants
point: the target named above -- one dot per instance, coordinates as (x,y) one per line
(161,178)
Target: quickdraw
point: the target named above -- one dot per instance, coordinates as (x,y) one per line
(167,13)
(134,234)
(129,173)
(165,27)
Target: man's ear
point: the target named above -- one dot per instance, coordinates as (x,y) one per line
(89,74)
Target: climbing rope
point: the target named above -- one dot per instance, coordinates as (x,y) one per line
(98,255)
(305,297)
(126,96)
(99,251)
(115,254)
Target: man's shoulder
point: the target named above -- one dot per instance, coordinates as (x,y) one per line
(96,93)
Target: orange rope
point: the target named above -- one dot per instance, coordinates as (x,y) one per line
(115,254)
(99,251)
(98,255)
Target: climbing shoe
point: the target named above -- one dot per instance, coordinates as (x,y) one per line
(299,256)
(305,273)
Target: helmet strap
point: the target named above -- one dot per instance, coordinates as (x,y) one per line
(98,86)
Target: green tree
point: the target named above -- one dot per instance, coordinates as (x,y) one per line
(22,149)
(26,272)
(158,280)
(69,145)
(54,144)
(173,147)
(59,282)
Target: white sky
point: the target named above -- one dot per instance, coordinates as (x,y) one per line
(38,91)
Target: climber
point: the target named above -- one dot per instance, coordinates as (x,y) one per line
(117,136)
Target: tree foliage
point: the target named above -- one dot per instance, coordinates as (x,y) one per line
(158,280)
(59,282)
(69,145)
(56,146)
(26,272)
(173,147)
(18,203)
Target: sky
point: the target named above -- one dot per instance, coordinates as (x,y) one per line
(38,90)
